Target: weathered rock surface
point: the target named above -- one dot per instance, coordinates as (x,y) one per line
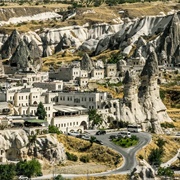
(10,45)
(143,172)
(21,56)
(15,145)
(64,43)
(26,56)
(141,102)
(86,63)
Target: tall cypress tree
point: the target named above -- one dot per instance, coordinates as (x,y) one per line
(41,112)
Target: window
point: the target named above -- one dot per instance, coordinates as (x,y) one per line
(76,123)
(70,124)
(73,123)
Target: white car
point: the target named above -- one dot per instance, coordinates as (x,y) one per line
(23,177)
(124,134)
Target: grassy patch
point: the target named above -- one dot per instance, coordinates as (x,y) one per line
(126,142)
(95,153)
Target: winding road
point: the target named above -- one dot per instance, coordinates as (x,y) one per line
(129,155)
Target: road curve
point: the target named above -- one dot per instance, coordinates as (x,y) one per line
(129,156)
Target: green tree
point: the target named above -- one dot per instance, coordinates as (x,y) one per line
(28,168)
(155,156)
(92,140)
(59,177)
(95,118)
(54,129)
(167,171)
(32,142)
(7,171)
(41,112)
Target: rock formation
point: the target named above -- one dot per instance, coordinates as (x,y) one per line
(16,145)
(10,45)
(21,56)
(142,103)
(86,63)
(26,57)
(143,172)
(65,43)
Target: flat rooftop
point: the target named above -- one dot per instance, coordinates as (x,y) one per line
(68,109)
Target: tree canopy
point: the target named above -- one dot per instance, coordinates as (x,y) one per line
(54,129)
(28,168)
(95,118)
(41,112)
(7,171)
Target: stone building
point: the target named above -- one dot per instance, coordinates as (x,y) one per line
(90,100)
(68,118)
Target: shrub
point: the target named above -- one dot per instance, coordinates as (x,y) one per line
(160,143)
(141,157)
(167,125)
(54,129)
(162,94)
(155,156)
(71,157)
(84,159)
(167,171)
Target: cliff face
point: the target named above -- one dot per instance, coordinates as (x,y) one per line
(16,145)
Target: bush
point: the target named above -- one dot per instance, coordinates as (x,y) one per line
(167,125)
(167,171)
(84,159)
(141,157)
(71,157)
(54,129)
(28,168)
(160,143)
(155,156)
(7,171)
(59,177)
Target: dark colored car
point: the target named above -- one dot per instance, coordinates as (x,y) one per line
(101,132)
(111,137)
(98,142)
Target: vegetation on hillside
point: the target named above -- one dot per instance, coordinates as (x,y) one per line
(27,168)
(95,153)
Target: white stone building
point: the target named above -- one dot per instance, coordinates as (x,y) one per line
(111,70)
(68,118)
(50,86)
(31,77)
(97,74)
(90,100)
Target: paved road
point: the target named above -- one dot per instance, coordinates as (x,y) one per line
(127,153)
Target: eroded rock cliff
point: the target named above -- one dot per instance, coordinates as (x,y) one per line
(141,102)
(18,145)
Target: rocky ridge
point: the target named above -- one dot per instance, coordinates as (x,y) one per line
(132,36)
(17,145)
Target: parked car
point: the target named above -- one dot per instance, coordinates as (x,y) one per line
(111,137)
(101,132)
(124,134)
(98,142)
(178,134)
(75,134)
(86,137)
(23,177)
